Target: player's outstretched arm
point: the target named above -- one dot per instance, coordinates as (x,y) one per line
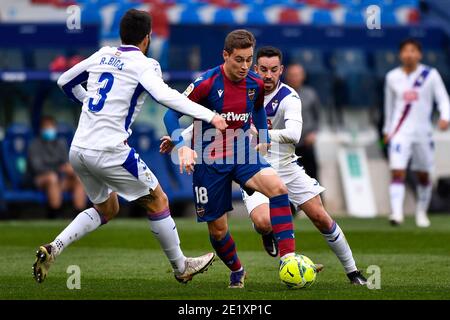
(292,121)
(71,80)
(171,98)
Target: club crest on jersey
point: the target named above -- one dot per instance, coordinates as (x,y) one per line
(220,93)
(275,104)
(251,94)
(200,211)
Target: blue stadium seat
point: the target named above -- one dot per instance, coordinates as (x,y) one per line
(322,17)
(224,16)
(354,17)
(256,16)
(355,82)
(189,16)
(318,75)
(14,153)
(65,131)
(11,59)
(120,11)
(384,61)
(388,17)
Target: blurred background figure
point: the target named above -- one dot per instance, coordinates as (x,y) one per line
(295,77)
(50,170)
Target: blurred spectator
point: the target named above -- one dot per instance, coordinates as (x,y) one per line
(50,169)
(295,77)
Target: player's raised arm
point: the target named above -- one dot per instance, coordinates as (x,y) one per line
(171,98)
(292,121)
(442,100)
(71,80)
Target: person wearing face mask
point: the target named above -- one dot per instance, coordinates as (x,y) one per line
(50,169)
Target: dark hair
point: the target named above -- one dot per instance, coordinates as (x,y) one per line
(135,25)
(47,118)
(410,41)
(269,52)
(239,39)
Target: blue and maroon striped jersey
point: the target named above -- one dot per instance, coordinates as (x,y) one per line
(238,102)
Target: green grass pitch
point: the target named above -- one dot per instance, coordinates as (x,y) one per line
(122,260)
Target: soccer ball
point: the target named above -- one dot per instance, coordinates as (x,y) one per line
(298,271)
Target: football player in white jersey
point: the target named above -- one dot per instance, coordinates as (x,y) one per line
(118,81)
(283,108)
(409,94)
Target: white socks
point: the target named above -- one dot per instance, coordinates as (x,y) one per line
(165,230)
(85,222)
(337,242)
(397,194)
(423,197)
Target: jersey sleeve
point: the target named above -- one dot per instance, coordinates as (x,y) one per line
(153,83)
(293,122)
(172,123)
(389,102)
(441,96)
(71,80)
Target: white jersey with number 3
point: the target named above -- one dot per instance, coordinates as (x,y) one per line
(118,81)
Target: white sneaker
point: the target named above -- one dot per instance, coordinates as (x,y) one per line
(195,266)
(395,220)
(422,220)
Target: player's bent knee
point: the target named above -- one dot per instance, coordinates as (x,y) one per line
(261,222)
(218,232)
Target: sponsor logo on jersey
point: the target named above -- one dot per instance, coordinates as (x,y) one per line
(231,116)
(251,94)
(189,89)
(220,93)
(198,79)
(410,96)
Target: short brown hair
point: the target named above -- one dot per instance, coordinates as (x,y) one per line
(239,39)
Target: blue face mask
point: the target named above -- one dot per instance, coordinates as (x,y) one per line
(48,134)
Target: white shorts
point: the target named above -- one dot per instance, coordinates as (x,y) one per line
(421,153)
(301,187)
(121,170)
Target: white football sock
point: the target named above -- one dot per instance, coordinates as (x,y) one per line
(397,194)
(85,222)
(337,242)
(165,230)
(423,197)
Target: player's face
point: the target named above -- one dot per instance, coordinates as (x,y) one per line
(270,70)
(410,56)
(238,63)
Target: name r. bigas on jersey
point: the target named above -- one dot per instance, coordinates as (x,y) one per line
(113,61)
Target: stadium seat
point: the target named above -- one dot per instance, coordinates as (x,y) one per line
(43,57)
(256,16)
(354,18)
(354,82)
(322,17)
(190,16)
(384,61)
(11,59)
(224,16)
(289,16)
(65,131)
(14,153)
(318,75)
